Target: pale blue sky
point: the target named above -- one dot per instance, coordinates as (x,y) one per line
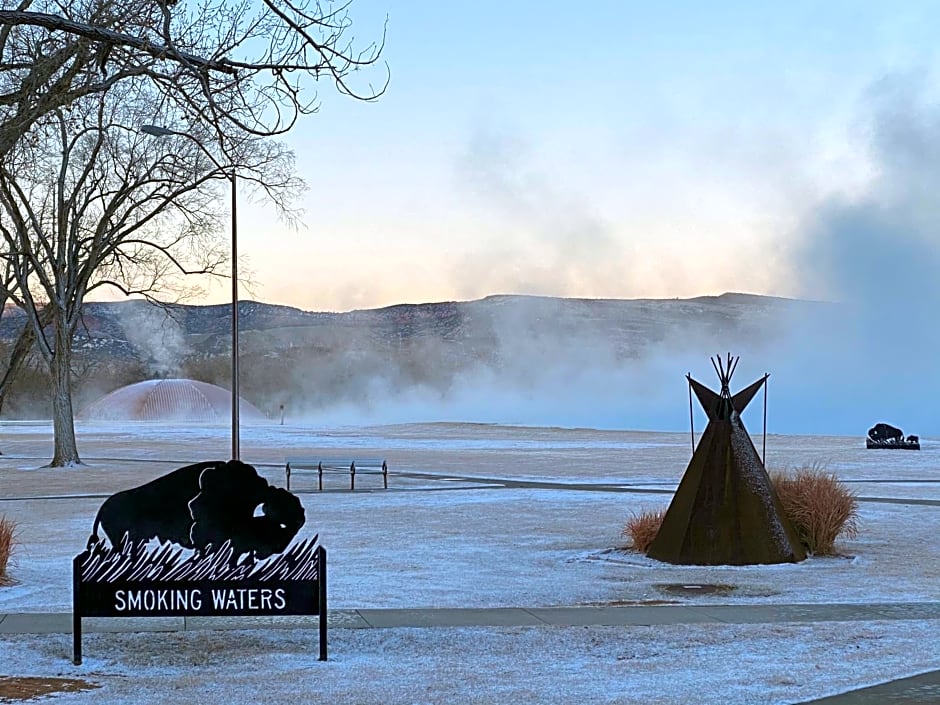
(624,149)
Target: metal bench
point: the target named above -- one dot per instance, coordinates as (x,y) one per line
(360,466)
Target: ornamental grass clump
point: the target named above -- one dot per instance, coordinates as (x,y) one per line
(819,507)
(641,528)
(7,541)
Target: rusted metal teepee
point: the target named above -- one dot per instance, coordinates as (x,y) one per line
(725,511)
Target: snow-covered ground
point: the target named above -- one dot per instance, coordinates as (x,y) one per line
(435,542)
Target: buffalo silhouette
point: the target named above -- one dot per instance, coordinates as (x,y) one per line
(244,510)
(201,507)
(882,432)
(156,510)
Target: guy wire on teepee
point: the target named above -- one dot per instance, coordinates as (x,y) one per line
(764,455)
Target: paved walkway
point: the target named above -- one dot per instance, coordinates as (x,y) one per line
(631,615)
(916,690)
(495,483)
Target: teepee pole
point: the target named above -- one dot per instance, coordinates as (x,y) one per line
(716,363)
(732,367)
(691,417)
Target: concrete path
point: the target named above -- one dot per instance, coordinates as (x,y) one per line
(487,483)
(916,690)
(632,615)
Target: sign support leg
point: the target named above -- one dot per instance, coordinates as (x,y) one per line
(76,612)
(321,579)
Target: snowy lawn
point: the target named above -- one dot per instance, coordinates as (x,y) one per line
(434,542)
(709,664)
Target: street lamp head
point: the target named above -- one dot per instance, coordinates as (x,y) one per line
(156,130)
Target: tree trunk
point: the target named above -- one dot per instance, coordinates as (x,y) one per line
(21,349)
(63,424)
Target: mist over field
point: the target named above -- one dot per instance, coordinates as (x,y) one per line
(860,345)
(878,254)
(564,362)
(608,364)
(835,369)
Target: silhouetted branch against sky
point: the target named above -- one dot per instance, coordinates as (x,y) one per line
(241,67)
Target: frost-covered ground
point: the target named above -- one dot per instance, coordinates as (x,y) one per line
(708,664)
(439,539)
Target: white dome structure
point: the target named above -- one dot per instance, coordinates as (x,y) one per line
(170,400)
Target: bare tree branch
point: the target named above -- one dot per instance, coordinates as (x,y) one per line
(56,23)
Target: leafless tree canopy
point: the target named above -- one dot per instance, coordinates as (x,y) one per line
(242,67)
(89,200)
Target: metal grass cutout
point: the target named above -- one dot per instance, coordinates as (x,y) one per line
(101,564)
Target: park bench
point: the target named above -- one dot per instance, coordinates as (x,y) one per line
(350,466)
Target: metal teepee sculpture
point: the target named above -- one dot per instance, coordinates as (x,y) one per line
(725,511)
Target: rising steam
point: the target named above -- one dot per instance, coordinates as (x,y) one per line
(156,336)
(835,369)
(878,254)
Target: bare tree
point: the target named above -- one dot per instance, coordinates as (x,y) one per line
(20,350)
(85,200)
(243,66)
(89,202)
(7,282)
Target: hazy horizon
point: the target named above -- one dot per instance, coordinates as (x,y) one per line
(551,362)
(495,294)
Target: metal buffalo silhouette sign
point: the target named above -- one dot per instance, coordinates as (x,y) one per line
(223,538)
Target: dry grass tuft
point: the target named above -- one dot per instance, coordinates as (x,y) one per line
(7,542)
(819,507)
(642,528)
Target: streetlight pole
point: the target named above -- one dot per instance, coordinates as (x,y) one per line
(235,397)
(158,131)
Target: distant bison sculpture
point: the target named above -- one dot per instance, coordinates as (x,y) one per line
(201,507)
(883,435)
(885,432)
